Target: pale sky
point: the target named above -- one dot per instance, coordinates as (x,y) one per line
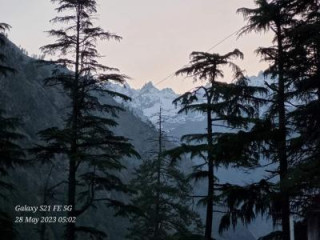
(158,36)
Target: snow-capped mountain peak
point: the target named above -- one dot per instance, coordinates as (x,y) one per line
(146,102)
(148,87)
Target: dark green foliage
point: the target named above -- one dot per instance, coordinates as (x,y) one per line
(186,237)
(11,154)
(272,236)
(304,38)
(246,202)
(292,140)
(301,230)
(162,198)
(172,196)
(86,143)
(7,230)
(233,106)
(4,69)
(91,233)
(276,17)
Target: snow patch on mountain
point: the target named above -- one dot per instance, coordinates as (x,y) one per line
(146,103)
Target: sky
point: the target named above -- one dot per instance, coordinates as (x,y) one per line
(158,36)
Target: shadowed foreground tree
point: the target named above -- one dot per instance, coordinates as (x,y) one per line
(275,16)
(290,125)
(10,152)
(287,133)
(229,106)
(304,172)
(162,197)
(86,142)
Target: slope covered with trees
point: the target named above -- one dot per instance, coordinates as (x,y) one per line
(25,94)
(83,146)
(11,153)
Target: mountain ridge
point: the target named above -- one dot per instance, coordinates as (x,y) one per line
(147,100)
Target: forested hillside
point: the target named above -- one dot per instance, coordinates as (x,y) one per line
(85,156)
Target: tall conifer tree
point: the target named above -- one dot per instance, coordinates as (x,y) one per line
(225,105)
(288,131)
(276,17)
(162,197)
(86,142)
(304,39)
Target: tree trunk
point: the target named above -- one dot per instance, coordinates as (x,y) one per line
(209,216)
(157,212)
(71,228)
(70,232)
(282,149)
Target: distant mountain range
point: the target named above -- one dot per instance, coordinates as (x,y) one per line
(146,103)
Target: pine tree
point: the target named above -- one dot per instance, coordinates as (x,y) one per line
(275,16)
(86,141)
(4,69)
(288,131)
(162,198)
(11,153)
(304,39)
(226,105)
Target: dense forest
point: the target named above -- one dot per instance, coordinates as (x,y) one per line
(76,163)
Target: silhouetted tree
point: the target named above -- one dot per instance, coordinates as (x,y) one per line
(287,132)
(304,40)
(274,16)
(162,197)
(86,142)
(224,105)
